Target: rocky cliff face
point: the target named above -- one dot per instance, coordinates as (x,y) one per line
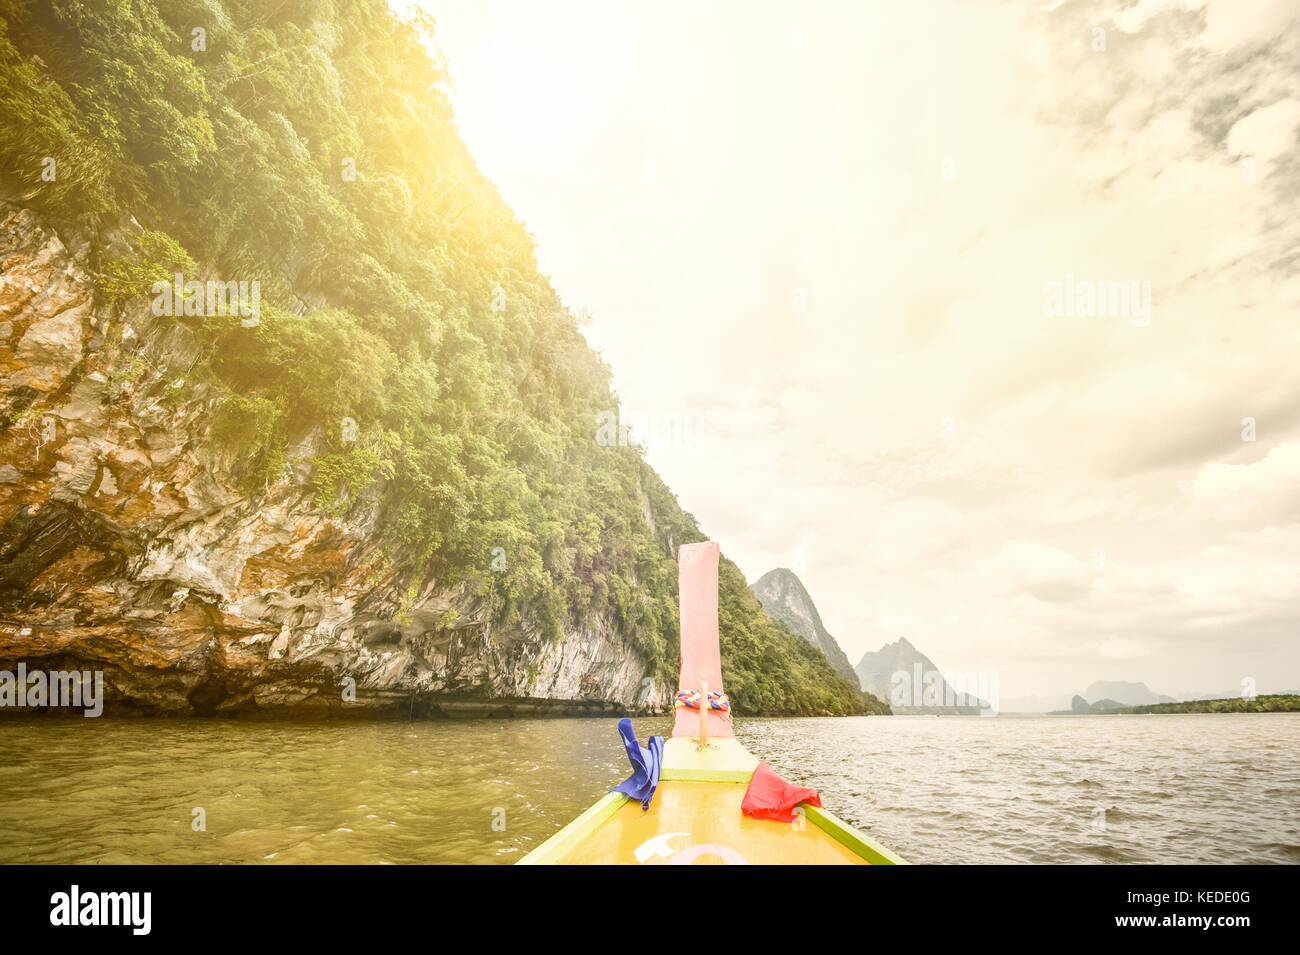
(784,596)
(126,546)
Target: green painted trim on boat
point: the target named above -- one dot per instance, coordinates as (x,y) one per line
(846,835)
(574,832)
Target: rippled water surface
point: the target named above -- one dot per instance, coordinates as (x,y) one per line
(1185,788)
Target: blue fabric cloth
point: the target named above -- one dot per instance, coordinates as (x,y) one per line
(646,761)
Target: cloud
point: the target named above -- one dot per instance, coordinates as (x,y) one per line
(1268,488)
(1022,568)
(1268,132)
(843,245)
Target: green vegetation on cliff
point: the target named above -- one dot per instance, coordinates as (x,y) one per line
(1259,704)
(309,146)
(875,705)
(1276,703)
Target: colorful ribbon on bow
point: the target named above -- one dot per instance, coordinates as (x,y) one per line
(690,699)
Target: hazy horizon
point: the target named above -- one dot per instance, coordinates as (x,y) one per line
(848,246)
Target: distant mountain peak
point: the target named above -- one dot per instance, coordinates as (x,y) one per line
(877,672)
(1129,694)
(784,596)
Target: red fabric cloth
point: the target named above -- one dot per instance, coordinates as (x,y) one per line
(771,797)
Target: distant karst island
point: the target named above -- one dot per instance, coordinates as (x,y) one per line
(1270,703)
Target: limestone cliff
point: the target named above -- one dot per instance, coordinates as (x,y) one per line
(127,546)
(784,596)
(386,466)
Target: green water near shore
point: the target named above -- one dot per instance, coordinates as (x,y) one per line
(1189,788)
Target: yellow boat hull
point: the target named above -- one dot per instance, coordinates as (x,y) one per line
(694,816)
(695,819)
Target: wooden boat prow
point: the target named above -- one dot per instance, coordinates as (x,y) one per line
(695,817)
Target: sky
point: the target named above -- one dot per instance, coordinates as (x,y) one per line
(857,248)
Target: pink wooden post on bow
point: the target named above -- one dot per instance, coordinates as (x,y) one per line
(697,587)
